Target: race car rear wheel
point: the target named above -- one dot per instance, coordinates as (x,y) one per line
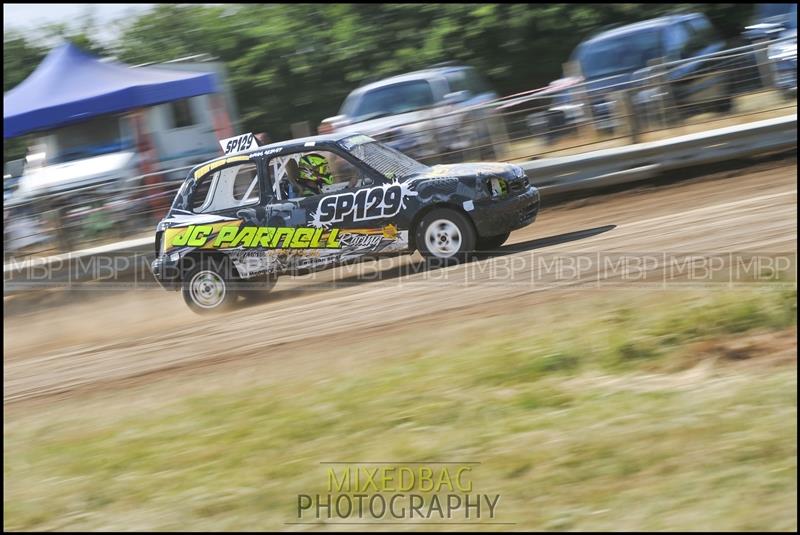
(490,243)
(445,235)
(206,287)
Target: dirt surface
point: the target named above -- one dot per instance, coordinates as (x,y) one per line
(116,340)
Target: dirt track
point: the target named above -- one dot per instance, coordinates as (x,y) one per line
(112,341)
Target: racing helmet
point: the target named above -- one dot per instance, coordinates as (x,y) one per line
(314,172)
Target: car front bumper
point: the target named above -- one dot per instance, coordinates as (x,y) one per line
(786,75)
(166,271)
(501,216)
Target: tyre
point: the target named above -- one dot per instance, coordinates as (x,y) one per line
(445,235)
(257,289)
(207,287)
(490,243)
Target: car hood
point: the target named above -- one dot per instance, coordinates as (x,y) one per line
(382,124)
(476,169)
(70,175)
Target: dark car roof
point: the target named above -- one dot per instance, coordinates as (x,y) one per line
(649,24)
(324,138)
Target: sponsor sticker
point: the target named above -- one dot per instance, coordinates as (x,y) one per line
(239,143)
(229,236)
(363,205)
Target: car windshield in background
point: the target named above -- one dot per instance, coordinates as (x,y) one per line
(619,54)
(95,137)
(765,11)
(393,100)
(387,161)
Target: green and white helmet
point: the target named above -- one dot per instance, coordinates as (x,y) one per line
(314,172)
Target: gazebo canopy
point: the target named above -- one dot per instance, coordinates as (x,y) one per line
(70,86)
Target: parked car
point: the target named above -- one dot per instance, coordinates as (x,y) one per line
(13,171)
(783,57)
(241,220)
(426,114)
(770,21)
(621,58)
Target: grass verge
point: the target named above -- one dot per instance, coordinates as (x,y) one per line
(588,415)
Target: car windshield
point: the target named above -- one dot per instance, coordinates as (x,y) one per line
(390,100)
(619,54)
(765,11)
(387,161)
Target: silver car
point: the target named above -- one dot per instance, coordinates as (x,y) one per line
(436,114)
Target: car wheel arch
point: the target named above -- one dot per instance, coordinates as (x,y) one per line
(412,245)
(194,257)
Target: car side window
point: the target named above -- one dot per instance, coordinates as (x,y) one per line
(701,35)
(457,81)
(229,187)
(308,173)
(475,82)
(677,37)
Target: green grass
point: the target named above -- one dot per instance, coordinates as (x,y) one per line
(564,419)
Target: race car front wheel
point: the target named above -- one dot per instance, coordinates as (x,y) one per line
(445,235)
(206,287)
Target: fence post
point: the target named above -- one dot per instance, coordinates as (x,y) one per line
(573,69)
(763,63)
(667,102)
(626,107)
(498,135)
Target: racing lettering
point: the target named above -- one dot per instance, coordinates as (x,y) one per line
(327,207)
(230,237)
(361,240)
(195,236)
(245,236)
(226,234)
(373,203)
(302,238)
(238,143)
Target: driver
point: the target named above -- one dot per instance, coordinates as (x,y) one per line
(314,173)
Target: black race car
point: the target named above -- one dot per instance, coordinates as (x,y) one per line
(241,220)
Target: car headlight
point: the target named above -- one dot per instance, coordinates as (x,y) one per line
(498,187)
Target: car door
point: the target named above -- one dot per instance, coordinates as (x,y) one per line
(698,80)
(232,190)
(345,220)
(228,200)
